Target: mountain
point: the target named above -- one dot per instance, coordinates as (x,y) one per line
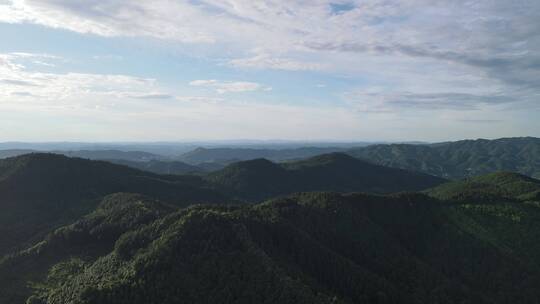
(211,166)
(160,167)
(229,155)
(14,152)
(305,248)
(460,159)
(80,231)
(111,154)
(89,154)
(494,187)
(90,236)
(261,179)
(41,191)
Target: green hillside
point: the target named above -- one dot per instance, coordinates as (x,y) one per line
(41,191)
(494,187)
(306,248)
(160,166)
(71,233)
(459,159)
(261,179)
(228,155)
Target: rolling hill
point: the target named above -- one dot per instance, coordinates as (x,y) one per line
(459,159)
(230,155)
(79,231)
(111,154)
(160,166)
(494,187)
(261,179)
(41,191)
(306,248)
(14,152)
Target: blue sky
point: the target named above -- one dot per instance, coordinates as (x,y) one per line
(114,70)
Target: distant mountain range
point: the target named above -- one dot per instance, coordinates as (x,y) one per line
(162,167)
(229,155)
(133,156)
(451,160)
(262,179)
(460,159)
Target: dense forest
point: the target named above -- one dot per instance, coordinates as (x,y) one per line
(79,231)
(459,159)
(306,248)
(262,179)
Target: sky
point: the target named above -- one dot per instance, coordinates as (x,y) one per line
(365,70)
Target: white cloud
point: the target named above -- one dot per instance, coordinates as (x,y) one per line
(156,95)
(496,40)
(53,90)
(461,56)
(203,82)
(265,61)
(230,86)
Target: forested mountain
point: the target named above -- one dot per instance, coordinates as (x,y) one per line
(111,154)
(89,154)
(306,248)
(229,155)
(459,159)
(160,167)
(494,187)
(79,231)
(41,191)
(261,179)
(452,160)
(14,152)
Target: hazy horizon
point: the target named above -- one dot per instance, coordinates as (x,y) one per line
(246,141)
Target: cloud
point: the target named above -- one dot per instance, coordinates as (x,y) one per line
(264,61)
(435,54)
(230,86)
(14,60)
(491,36)
(22,94)
(53,90)
(16,82)
(388,102)
(153,96)
(203,82)
(112,18)
(481,121)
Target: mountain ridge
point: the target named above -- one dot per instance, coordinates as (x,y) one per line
(49,189)
(259,179)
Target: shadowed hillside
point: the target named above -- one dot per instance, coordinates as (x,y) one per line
(307,248)
(68,236)
(260,179)
(41,191)
(160,167)
(228,155)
